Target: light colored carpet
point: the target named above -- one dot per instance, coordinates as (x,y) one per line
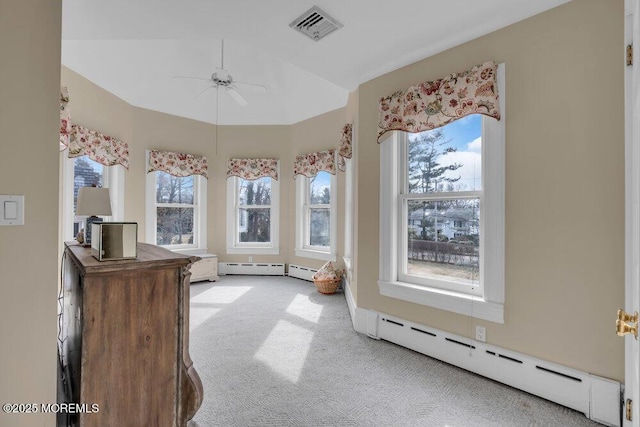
(272,351)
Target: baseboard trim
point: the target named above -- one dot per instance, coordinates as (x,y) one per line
(598,398)
(261,269)
(302,272)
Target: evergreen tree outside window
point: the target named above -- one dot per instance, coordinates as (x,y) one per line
(442,215)
(442,190)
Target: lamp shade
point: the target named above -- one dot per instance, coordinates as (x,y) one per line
(93,201)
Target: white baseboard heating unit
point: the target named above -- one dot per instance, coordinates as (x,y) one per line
(300,272)
(258,268)
(598,398)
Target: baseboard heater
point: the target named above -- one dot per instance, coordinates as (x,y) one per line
(598,398)
(258,269)
(300,272)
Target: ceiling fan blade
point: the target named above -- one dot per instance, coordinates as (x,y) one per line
(192,78)
(252,86)
(200,94)
(236,96)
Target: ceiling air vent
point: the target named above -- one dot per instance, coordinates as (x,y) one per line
(315,23)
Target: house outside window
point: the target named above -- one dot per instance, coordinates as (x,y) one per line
(442,216)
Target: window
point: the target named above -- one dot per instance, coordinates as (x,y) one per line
(315,216)
(252,215)
(84,172)
(176,211)
(442,224)
(440,189)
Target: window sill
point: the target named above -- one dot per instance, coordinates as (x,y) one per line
(445,300)
(308,253)
(253,250)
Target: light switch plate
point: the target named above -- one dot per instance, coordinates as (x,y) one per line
(11,210)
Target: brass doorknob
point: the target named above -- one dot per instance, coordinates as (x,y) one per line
(627,323)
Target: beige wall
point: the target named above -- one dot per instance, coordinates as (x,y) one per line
(316,134)
(144,129)
(564,185)
(29,125)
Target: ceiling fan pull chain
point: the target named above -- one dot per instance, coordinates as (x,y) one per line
(222,66)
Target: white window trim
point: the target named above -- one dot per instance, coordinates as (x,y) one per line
(113,180)
(199,220)
(489,306)
(302,249)
(235,247)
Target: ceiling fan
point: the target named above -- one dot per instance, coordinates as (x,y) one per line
(221,78)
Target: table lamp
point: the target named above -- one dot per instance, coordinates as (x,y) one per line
(92,201)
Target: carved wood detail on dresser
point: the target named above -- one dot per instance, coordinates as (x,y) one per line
(125,338)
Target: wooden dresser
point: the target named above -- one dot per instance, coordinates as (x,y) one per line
(125,338)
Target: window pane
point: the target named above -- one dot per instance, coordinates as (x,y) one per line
(447,158)
(254,225)
(86,173)
(256,192)
(174,226)
(319,227)
(443,239)
(173,189)
(320,189)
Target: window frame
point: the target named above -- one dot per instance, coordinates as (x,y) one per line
(234,246)
(489,304)
(303,207)
(199,214)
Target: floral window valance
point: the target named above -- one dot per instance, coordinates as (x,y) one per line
(65,118)
(98,147)
(345,150)
(436,103)
(177,164)
(310,164)
(251,169)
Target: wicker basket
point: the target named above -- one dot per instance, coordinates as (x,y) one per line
(327,286)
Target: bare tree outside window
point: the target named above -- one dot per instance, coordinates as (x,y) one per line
(254,210)
(175,208)
(319,215)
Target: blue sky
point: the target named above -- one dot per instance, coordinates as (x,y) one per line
(463,131)
(466,136)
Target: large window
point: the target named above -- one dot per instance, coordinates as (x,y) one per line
(176,211)
(442,224)
(315,216)
(441,187)
(252,215)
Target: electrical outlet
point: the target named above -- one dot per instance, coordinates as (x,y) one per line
(481,333)
(250,259)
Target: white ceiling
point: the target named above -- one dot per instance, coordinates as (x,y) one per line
(134,49)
